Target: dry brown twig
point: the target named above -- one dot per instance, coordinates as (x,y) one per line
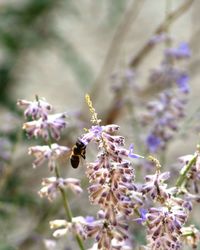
(115,47)
(170,18)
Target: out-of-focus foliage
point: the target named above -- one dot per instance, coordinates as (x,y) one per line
(23,26)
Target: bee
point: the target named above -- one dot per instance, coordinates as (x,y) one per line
(78,150)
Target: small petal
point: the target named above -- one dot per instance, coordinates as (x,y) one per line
(60,232)
(131,154)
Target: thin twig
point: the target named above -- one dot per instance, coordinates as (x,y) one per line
(115,47)
(170,18)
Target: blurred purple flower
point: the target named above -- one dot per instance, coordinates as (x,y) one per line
(153,143)
(131,154)
(183,82)
(159,38)
(181,52)
(89,219)
(35,109)
(163,117)
(143,212)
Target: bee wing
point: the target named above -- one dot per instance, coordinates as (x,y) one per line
(63,158)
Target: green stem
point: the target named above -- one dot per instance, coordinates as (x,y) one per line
(68,211)
(66,205)
(183,174)
(69,216)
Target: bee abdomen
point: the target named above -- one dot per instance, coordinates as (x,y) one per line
(74,161)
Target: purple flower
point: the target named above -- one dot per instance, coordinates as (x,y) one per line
(156,187)
(183,82)
(131,154)
(183,51)
(143,212)
(153,143)
(89,219)
(51,185)
(52,126)
(112,187)
(165,223)
(163,117)
(36,109)
(94,133)
(46,153)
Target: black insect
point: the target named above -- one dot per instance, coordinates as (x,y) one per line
(78,150)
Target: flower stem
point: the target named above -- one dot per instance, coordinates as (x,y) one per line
(183,174)
(68,211)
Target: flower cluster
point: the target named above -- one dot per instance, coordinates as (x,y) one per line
(48,126)
(51,153)
(112,187)
(43,125)
(112,183)
(111,179)
(163,115)
(35,109)
(165,112)
(123,80)
(76,226)
(167,74)
(52,185)
(164,225)
(164,222)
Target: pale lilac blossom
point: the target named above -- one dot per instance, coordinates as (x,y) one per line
(48,153)
(35,109)
(163,116)
(183,51)
(52,185)
(76,226)
(165,223)
(50,127)
(156,187)
(169,73)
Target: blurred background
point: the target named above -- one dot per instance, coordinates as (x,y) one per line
(61,50)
